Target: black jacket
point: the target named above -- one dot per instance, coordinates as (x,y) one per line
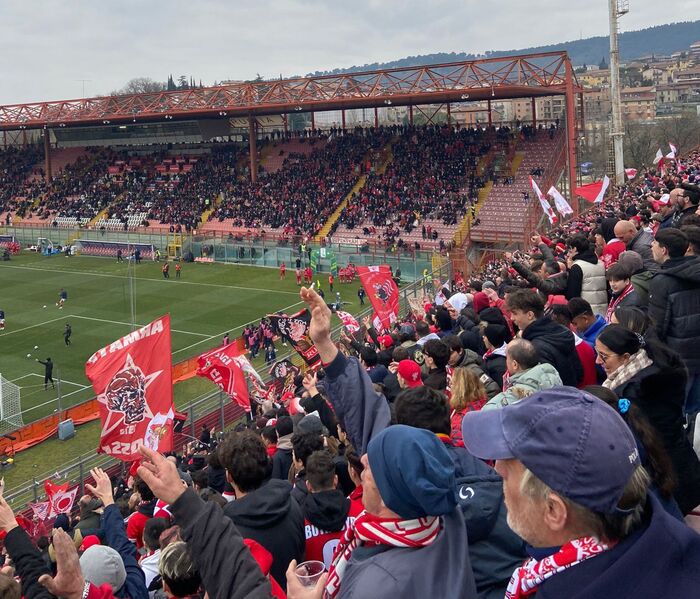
(281,463)
(29,563)
(270,516)
(326,510)
(659,391)
(223,561)
(436,379)
(556,346)
(471,335)
(495,367)
(555,285)
(674,306)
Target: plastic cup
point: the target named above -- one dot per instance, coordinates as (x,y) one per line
(310,572)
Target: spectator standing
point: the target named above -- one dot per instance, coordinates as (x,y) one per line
(674,305)
(637,241)
(586,275)
(586,324)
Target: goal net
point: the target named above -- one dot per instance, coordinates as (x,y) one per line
(10,406)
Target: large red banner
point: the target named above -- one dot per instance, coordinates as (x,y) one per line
(220,367)
(133,382)
(382,292)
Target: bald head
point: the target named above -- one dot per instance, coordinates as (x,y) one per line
(625,231)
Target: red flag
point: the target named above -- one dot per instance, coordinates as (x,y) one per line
(382,292)
(631,173)
(349,321)
(594,192)
(219,366)
(133,382)
(60,499)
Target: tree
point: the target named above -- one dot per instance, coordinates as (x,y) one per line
(603,64)
(182,82)
(171,84)
(140,85)
(682,130)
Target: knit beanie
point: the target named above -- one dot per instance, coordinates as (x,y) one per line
(413,472)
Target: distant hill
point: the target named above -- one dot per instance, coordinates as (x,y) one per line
(660,40)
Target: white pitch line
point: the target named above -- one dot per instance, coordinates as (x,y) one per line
(240,326)
(50,401)
(138,325)
(146,279)
(63,381)
(33,326)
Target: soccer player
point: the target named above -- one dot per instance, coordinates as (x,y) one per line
(67,332)
(331,280)
(297,272)
(62,297)
(2,320)
(178,269)
(166,270)
(225,340)
(119,255)
(48,372)
(361,294)
(283,271)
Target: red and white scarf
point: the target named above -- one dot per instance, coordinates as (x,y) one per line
(369,530)
(532,573)
(615,302)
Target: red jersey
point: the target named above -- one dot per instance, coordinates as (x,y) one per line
(320,545)
(356,505)
(283,268)
(134,528)
(587,356)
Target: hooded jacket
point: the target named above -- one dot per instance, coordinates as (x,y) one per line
(635,567)
(587,281)
(494,549)
(524,383)
(325,519)
(270,516)
(674,306)
(592,332)
(556,346)
(474,362)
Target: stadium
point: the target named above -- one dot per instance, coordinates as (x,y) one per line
(401,196)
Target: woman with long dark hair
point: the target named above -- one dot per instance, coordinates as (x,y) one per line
(653,378)
(651,449)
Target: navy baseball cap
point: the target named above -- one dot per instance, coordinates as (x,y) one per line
(574,442)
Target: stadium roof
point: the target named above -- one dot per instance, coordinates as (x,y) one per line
(501,78)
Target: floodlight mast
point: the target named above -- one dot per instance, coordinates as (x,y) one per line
(617,8)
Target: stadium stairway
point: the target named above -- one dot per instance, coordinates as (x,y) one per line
(104,213)
(506,217)
(326,228)
(461,235)
(206,215)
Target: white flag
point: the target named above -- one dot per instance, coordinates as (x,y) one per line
(674,151)
(544,202)
(659,156)
(560,202)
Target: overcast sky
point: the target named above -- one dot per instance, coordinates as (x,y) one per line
(47,46)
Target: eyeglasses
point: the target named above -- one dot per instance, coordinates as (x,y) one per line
(603,357)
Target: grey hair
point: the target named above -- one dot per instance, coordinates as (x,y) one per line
(586,522)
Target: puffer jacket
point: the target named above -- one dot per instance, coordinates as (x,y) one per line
(674,306)
(474,362)
(587,281)
(525,383)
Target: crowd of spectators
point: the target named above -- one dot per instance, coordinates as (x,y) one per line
(16,165)
(301,196)
(432,176)
(524,432)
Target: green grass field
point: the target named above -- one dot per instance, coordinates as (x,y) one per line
(209,300)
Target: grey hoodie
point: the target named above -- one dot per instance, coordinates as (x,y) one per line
(527,382)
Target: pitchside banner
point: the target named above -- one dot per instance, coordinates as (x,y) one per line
(220,367)
(133,382)
(295,330)
(382,292)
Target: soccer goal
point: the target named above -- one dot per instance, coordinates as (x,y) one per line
(10,406)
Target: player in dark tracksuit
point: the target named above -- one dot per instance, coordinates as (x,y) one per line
(67,332)
(48,372)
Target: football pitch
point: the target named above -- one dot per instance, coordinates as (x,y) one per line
(205,303)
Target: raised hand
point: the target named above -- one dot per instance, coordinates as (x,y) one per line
(68,582)
(160,475)
(320,326)
(102,488)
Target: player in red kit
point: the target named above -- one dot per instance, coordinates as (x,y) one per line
(283,271)
(297,272)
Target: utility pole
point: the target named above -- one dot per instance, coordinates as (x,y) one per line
(617,9)
(84,81)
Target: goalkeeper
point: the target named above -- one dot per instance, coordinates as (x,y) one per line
(48,373)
